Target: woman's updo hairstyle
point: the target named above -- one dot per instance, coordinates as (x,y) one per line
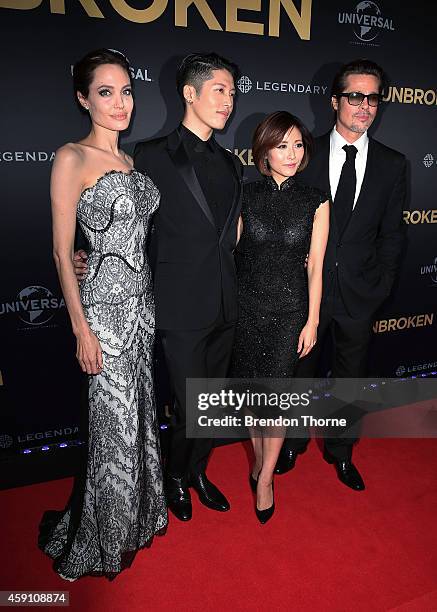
(83,70)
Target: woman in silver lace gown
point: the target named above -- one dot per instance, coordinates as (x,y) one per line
(119,505)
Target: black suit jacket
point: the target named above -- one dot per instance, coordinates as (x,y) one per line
(193,264)
(366,255)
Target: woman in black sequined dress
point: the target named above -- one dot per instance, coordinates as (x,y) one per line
(284,222)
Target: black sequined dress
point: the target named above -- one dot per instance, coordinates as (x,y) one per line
(273,286)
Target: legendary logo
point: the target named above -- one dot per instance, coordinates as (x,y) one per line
(367,21)
(27,156)
(245,84)
(5,441)
(413,369)
(35,305)
(45,435)
(428,160)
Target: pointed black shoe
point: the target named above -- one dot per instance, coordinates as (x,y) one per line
(178,497)
(208,493)
(286,461)
(265,515)
(346,471)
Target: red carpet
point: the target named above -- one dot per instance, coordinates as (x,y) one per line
(326,548)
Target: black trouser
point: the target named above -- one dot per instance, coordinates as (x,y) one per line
(350,341)
(198,353)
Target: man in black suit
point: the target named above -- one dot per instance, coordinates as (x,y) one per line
(367,183)
(194,235)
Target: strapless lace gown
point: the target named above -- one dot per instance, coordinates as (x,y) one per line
(120,504)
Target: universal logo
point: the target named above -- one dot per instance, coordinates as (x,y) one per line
(245,84)
(415,368)
(430,270)
(137,74)
(35,306)
(367,22)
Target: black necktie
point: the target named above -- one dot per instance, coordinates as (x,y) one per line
(345,194)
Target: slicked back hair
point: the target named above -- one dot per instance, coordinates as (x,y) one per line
(358,66)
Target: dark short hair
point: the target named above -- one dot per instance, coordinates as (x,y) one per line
(358,66)
(269,134)
(83,70)
(197,68)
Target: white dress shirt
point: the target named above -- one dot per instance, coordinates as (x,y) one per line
(337,157)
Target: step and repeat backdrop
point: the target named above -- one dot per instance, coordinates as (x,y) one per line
(288,52)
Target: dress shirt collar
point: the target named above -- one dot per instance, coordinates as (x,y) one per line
(193,142)
(337,143)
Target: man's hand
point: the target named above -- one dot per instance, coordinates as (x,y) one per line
(80,265)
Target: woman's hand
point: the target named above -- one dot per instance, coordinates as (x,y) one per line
(89,353)
(307,339)
(80,265)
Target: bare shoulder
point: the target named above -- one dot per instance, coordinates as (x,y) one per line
(69,157)
(68,170)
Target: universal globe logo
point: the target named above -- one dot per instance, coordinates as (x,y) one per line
(431,271)
(244,84)
(428,160)
(368,21)
(35,305)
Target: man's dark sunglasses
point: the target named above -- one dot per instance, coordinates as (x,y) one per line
(355,98)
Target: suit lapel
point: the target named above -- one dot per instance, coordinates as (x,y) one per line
(322,153)
(237,190)
(180,159)
(323,149)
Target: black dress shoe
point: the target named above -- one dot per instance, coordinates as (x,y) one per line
(265,515)
(346,471)
(208,493)
(178,497)
(286,461)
